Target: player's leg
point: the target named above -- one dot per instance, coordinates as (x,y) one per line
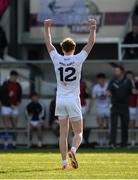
(39,129)
(32,127)
(62,114)
(106,125)
(63,143)
(14,121)
(124,116)
(6,113)
(7,121)
(15,114)
(100,122)
(7,126)
(132,124)
(73,107)
(113,128)
(105,122)
(106,118)
(77,126)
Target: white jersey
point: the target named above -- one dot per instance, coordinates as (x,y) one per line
(68,73)
(98,92)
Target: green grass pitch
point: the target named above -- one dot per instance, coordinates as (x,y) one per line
(46,164)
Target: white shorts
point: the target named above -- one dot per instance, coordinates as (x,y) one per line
(133,113)
(36,123)
(68,108)
(8,111)
(103,112)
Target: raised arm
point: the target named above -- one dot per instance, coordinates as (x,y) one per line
(48,40)
(91,40)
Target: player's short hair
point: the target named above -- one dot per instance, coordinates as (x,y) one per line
(68,44)
(130,72)
(122,69)
(14,73)
(33,94)
(101,76)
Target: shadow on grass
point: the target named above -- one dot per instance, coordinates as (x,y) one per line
(30,171)
(81,150)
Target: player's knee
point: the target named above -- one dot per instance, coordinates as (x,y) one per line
(63,138)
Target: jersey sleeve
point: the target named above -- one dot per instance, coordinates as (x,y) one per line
(94,93)
(54,56)
(81,57)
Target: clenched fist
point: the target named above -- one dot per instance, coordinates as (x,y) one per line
(48,22)
(92,24)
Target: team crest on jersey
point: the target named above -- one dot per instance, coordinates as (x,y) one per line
(66,59)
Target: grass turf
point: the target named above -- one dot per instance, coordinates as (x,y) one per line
(46,164)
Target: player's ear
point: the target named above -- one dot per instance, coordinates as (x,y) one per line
(74,49)
(61,44)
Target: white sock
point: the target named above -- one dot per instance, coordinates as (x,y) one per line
(64,162)
(74,149)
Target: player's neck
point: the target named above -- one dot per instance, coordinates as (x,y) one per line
(121,77)
(68,54)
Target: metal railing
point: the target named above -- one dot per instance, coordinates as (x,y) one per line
(121,47)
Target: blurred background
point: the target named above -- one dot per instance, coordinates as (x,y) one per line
(22,49)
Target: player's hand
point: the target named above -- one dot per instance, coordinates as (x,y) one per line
(48,22)
(134,91)
(107,93)
(92,24)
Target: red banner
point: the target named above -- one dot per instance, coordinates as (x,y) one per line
(3,6)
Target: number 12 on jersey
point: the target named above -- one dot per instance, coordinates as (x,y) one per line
(70,74)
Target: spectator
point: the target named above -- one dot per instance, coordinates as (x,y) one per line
(102,107)
(132,109)
(3,42)
(36,113)
(135,14)
(136,82)
(132,38)
(53,120)
(83,96)
(11,98)
(120,89)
